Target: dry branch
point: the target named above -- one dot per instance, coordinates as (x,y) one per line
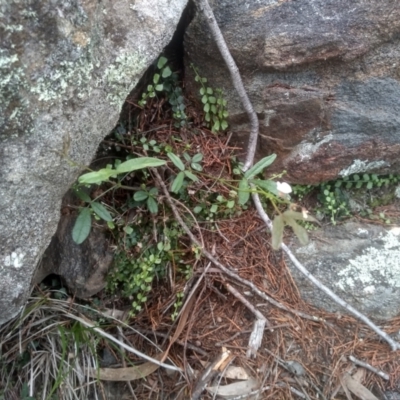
(237,82)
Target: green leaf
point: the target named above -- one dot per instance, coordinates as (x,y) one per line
(82,195)
(197,209)
(152,205)
(216,126)
(204,80)
(277,232)
(212,99)
(156,78)
(102,175)
(206,107)
(202,91)
(197,157)
(370,185)
(230,203)
(177,183)
(140,195)
(196,166)
(224,125)
(82,226)
(191,176)
(204,99)
(128,229)
(101,211)
(214,208)
(153,191)
(269,186)
(166,72)
(257,168)
(243,192)
(176,160)
(160,87)
(298,230)
(139,163)
(186,157)
(161,62)
(209,90)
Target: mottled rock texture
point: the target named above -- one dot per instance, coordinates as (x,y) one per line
(323,76)
(66,67)
(359,262)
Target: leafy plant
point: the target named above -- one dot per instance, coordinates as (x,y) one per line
(185,171)
(214,104)
(290,217)
(166,82)
(149,196)
(83,222)
(335,196)
(244,189)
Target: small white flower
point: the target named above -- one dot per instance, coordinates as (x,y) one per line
(283,188)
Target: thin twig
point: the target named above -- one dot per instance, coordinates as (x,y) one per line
(393,344)
(236,80)
(369,367)
(259,325)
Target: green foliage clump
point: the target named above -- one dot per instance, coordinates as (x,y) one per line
(166,83)
(214,105)
(334,197)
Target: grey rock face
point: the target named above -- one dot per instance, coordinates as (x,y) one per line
(322,75)
(359,262)
(65,70)
(83,267)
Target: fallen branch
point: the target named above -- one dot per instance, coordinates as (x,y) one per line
(236,80)
(369,367)
(238,84)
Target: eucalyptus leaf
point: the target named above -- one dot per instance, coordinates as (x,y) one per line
(102,175)
(82,226)
(243,191)
(258,167)
(101,211)
(139,163)
(277,231)
(177,161)
(299,216)
(298,230)
(177,183)
(267,185)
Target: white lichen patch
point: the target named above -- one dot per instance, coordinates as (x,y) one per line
(53,85)
(360,166)
(306,149)
(397,192)
(121,76)
(375,266)
(14,260)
